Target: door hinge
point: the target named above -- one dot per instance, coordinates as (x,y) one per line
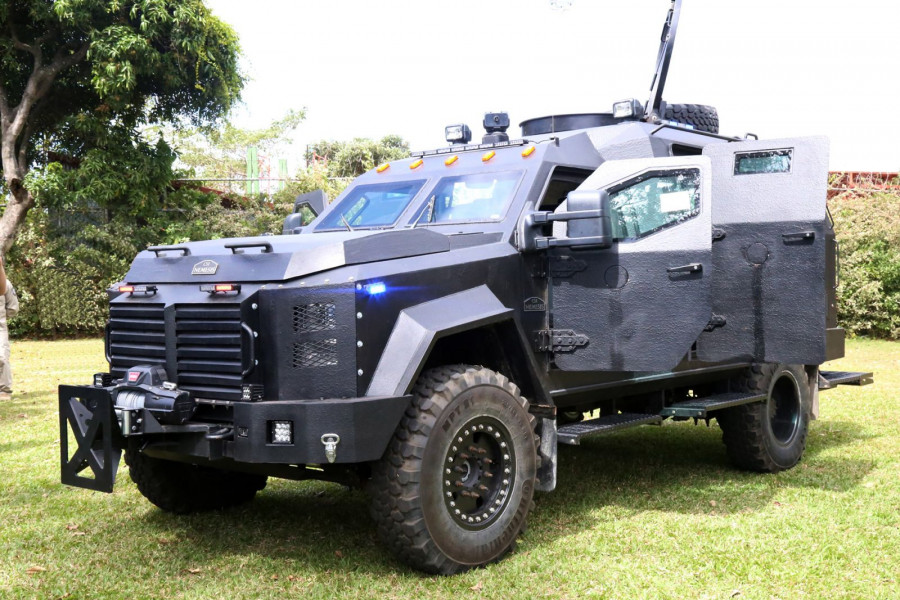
(714,322)
(560,340)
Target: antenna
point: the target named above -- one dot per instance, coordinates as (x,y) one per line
(666,43)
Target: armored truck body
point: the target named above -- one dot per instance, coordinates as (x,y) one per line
(450,318)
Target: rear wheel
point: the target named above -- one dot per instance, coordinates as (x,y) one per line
(701,117)
(769,436)
(184,488)
(455,485)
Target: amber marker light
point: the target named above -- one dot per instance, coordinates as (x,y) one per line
(416,164)
(488,156)
(383,168)
(126,288)
(451,160)
(527,151)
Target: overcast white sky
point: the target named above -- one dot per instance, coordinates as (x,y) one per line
(776,68)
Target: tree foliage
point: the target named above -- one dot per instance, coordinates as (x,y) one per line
(353,158)
(220,152)
(79,81)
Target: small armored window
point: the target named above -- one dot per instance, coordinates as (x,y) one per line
(767,161)
(654,201)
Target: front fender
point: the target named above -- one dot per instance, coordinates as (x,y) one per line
(419,327)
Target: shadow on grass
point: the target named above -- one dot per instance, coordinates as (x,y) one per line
(313,526)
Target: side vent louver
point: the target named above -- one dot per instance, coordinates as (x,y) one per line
(318,353)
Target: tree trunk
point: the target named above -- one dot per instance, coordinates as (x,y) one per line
(17,209)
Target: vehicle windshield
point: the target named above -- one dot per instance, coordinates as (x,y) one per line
(374,205)
(473,198)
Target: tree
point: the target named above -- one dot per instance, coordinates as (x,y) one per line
(82,78)
(221,152)
(351,159)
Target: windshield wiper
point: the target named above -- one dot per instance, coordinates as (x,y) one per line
(346,224)
(429,209)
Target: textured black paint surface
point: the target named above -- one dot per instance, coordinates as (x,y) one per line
(774,311)
(647,324)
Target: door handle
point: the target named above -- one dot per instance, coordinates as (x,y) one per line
(799,236)
(691,268)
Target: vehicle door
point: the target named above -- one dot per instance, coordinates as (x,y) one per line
(640,304)
(769,283)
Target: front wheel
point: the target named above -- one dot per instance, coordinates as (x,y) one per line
(769,436)
(184,488)
(455,485)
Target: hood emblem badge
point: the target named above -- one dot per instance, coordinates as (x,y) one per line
(205,267)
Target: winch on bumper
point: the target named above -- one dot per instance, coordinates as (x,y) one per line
(97,421)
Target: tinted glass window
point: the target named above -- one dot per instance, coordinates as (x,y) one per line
(768,161)
(473,197)
(654,201)
(374,205)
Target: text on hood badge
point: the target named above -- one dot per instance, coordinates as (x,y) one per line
(205,267)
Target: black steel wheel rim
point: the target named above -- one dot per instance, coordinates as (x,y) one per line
(479,473)
(784,409)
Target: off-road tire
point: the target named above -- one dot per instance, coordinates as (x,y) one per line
(417,487)
(184,488)
(769,436)
(701,117)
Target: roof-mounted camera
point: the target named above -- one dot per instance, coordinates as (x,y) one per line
(495,126)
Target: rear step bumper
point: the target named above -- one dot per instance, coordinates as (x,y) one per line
(831,379)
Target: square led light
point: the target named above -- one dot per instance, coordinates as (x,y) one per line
(623,109)
(281,432)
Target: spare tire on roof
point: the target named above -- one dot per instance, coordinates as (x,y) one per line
(701,117)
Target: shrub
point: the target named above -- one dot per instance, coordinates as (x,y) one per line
(868,229)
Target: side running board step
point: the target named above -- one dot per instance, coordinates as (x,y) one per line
(699,408)
(831,379)
(573,432)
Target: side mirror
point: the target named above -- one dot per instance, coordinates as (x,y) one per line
(292,223)
(590,229)
(589,219)
(315,201)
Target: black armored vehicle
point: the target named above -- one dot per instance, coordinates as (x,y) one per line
(450,318)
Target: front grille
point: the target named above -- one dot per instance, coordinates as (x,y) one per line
(137,336)
(207,338)
(208,350)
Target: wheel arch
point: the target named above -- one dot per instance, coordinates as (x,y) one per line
(471,326)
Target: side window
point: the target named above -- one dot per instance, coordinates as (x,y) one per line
(653,201)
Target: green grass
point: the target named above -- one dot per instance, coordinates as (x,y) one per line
(654,512)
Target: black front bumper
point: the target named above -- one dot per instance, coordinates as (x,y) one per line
(363,425)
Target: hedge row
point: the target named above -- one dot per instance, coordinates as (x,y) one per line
(62,282)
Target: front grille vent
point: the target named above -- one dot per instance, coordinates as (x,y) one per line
(318,353)
(137,336)
(208,350)
(318,316)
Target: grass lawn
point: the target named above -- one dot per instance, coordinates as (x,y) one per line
(654,512)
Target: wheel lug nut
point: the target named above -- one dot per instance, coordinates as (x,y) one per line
(447,483)
(447,471)
(450,495)
(506,470)
(506,457)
